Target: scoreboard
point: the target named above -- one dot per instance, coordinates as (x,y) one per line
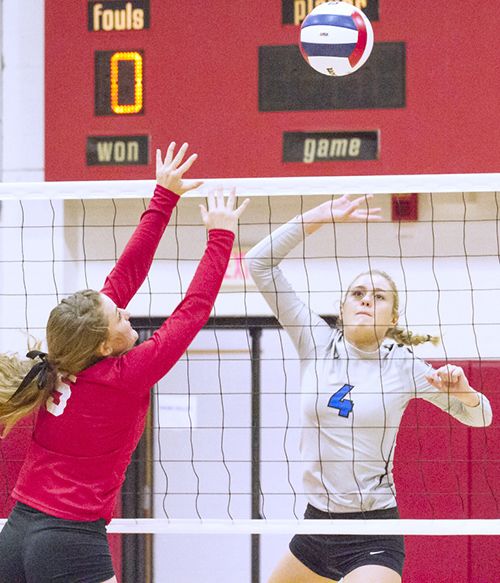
(124,77)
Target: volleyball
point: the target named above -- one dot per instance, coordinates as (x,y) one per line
(336,38)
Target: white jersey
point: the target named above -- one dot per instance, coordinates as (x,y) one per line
(352,401)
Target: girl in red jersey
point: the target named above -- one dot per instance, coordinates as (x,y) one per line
(91,392)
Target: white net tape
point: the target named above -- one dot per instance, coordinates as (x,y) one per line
(282,186)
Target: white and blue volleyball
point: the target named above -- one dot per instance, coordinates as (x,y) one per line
(336,38)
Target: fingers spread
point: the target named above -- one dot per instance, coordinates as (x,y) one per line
(220,197)
(191,184)
(188,163)
(370,214)
(211,201)
(170,153)
(180,155)
(231,199)
(242,207)
(355,203)
(204,213)
(354,212)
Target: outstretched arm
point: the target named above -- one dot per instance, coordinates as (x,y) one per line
(134,263)
(306,329)
(150,361)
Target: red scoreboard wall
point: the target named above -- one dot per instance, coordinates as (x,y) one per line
(201,85)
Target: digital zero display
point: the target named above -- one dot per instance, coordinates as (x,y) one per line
(119,82)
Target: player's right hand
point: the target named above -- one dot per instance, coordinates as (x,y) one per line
(169,173)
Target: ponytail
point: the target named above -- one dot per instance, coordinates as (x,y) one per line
(75,330)
(408,338)
(24,386)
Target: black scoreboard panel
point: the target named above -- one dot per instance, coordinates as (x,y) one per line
(288,83)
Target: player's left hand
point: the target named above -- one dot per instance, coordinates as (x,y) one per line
(451,379)
(221,214)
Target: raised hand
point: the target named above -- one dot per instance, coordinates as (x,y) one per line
(169,173)
(343,209)
(451,379)
(339,210)
(221,215)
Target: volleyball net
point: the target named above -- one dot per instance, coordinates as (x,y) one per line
(221,449)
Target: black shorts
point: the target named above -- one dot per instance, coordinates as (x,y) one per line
(38,548)
(334,556)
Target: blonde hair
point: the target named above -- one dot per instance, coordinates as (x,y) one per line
(75,330)
(397,333)
(15,407)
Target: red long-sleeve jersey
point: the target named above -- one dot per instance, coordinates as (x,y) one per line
(85,435)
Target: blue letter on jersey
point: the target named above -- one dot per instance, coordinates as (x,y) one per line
(337,401)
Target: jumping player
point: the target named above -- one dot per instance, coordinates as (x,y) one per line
(91,392)
(356,380)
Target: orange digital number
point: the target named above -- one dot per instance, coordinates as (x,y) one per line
(138,82)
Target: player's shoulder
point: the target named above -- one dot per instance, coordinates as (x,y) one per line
(391,349)
(404,358)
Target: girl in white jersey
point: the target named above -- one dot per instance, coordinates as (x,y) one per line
(356,381)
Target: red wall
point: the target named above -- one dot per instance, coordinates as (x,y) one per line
(201,87)
(444,469)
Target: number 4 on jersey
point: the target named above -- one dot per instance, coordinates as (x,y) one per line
(337,401)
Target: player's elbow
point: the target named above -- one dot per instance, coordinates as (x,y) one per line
(484,421)
(259,268)
(251,262)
